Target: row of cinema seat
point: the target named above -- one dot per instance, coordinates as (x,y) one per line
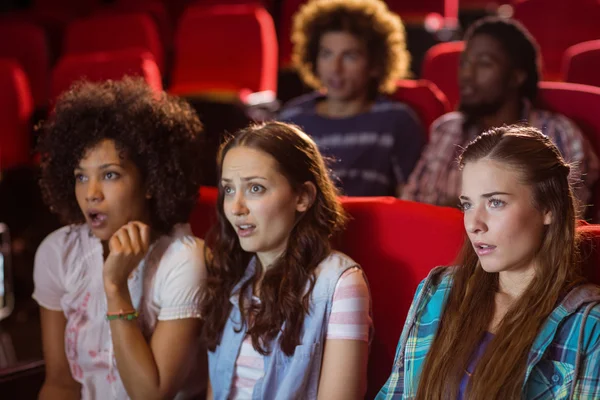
(397,243)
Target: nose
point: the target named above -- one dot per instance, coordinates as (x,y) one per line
(94,191)
(238,205)
(337,64)
(475,220)
(465,70)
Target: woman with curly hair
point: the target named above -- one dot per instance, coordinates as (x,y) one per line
(284,315)
(353,52)
(119,286)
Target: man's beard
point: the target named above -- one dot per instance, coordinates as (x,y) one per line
(483,109)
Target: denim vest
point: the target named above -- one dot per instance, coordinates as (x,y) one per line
(286,377)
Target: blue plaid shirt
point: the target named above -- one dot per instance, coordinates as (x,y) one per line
(563,361)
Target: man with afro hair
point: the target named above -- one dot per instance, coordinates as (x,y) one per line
(352,52)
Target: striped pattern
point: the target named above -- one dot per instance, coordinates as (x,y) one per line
(350,319)
(437,180)
(551,364)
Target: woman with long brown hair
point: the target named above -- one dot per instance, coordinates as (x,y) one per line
(515,319)
(284,315)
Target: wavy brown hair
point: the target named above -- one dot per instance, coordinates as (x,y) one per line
(500,372)
(284,294)
(369,20)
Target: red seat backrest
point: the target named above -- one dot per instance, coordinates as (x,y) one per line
(397,243)
(557,25)
(590,243)
(114,32)
(581,63)
(101,66)
(581,104)
(424,98)
(441,65)
(16,107)
(225,47)
(204,215)
(416,11)
(26,43)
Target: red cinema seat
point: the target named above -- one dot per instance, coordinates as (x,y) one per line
(424,98)
(16,107)
(440,66)
(204,215)
(557,25)
(105,65)
(225,48)
(397,243)
(77,7)
(590,253)
(114,32)
(154,8)
(415,12)
(26,43)
(581,63)
(288,9)
(581,104)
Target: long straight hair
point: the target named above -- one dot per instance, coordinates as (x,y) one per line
(500,372)
(284,294)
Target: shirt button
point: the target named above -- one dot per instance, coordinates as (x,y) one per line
(555,378)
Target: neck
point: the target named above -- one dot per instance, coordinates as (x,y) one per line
(508,114)
(515,283)
(335,108)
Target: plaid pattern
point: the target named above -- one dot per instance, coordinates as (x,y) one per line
(552,371)
(437,180)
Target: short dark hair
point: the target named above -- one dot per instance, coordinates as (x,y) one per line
(519,44)
(159,133)
(369,20)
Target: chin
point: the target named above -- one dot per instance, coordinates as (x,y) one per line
(491,267)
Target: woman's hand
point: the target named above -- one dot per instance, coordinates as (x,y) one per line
(127,246)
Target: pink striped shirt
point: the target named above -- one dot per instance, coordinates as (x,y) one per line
(350,319)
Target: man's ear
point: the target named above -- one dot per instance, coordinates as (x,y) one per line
(519,78)
(306,196)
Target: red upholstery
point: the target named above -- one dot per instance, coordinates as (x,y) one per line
(105,65)
(79,7)
(205,214)
(590,243)
(225,47)
(557,25)
(440,66)
(397,243)
(154,8)
(16,107)
(114,32)
(26,43)
(581,63)
(580,103)
(425,98)
(288,9)
(416,11)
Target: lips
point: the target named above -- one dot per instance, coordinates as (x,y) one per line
(97,219)
(245,230)
(483,249)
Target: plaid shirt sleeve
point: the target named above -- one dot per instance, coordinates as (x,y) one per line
(587,385)
(395,384)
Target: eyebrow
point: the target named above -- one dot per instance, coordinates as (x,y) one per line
(103,166)
(246,179)
(487,195)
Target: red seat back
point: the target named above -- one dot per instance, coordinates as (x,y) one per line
(114,32)
(417,11)
(225,47)
(397,243)
(105,65)
(557,25)
(16,107)
(581,63)
(26,43)
(441,65)
(425,98)
(581,104)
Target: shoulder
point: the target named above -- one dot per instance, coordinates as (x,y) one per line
(329,271)
(181,246)
(298,106)
(551,123)
(453,120)
(63,241)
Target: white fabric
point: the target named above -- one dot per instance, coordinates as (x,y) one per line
(165,286)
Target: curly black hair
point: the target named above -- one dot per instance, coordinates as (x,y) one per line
(370,20)
(161,134)
(518,43)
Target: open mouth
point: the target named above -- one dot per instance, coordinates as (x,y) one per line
(483,248)
(97,219)
(245,229)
